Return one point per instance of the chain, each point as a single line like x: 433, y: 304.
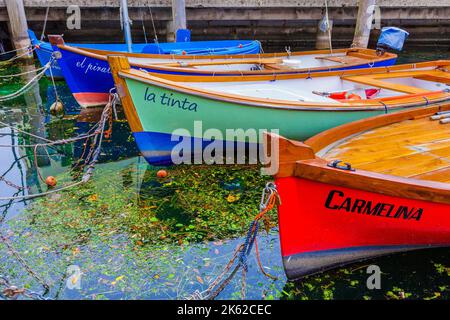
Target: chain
x: 11, y: 292
x: 23, y: 263
x: 269, y: 199
x: 11, y: 184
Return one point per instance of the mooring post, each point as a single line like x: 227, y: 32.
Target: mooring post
x: 18, y: 27
x: 363, y: 23
x: 178, y: 19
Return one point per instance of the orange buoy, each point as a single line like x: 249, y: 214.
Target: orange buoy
x: 161, y: 174
x: 183, y: 53
x: 50, y: 181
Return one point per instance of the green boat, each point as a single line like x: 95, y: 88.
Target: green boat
x: 179, y: 119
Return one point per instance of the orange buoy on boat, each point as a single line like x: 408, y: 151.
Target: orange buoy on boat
x: 162, y: 174
x: 50, y: 181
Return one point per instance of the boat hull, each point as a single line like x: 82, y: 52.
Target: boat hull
x: 90, y: 79
x: 44, y: 52
x: 324, y: 226
x: 160, y: 121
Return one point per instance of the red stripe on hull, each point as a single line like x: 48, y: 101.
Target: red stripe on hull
x: 315, y: 217
x: 91, y: 99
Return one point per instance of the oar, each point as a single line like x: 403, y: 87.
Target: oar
x: 220, y: 62
x: 440, y: 116
x: 444, y: 121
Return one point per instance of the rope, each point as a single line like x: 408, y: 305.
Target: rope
x: 91, y: 158
x: 329, y: 26
x: 154, y: 29
x: 269, y: 199
x: 45, y: 23
x: 24, y: 132
x: 28, y: 50
x: 22, y: 73
x: 28, y: 85
x: 143, y: 25
x: 14, y: 50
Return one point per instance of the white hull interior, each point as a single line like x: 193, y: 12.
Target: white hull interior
x: 312, y: 89
x: 291, y: 62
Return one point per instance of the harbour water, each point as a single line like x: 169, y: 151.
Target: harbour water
x: 129, y: 235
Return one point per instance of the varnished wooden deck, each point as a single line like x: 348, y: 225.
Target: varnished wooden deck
x: 415, y: 149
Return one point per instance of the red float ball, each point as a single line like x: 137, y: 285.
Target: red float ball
x: 50, y: 181
x: 161, y: 174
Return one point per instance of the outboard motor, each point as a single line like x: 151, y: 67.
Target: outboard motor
x: 391, y: 38
x: 183, y: 35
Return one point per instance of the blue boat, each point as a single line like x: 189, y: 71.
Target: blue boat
x: 44, y: 49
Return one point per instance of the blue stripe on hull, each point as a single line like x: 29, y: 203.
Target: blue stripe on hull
x: 157, y: 147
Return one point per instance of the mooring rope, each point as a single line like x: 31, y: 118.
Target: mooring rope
x: 269, y: 199
x: 99, y: 129
x: 28, y: 50
x: 22, y: 73
x: 14, y: 50
x: 32, y: 82
x: 45, y: 23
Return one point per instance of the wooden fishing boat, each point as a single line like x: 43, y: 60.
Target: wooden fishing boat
x: 44, y: 49
x: 298, y: 105
x: 87, y: 72
x: 368, y: 188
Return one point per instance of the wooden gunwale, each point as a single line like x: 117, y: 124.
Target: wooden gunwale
x: 102, y: 55
x: 314, y: 168
x: 437, y: 64
x: 118, y: 63
x: 429, y: 98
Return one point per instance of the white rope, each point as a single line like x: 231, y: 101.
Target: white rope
x: 27, y: 51
x: 329, y: 26
x: 14, y: 50
x: 154, y: 29
x: 22, y: 73
x: 45, y: 23
x: 28, y: 85
x: 143, y: 25
x: 24, y: 132
x: 92, y: 157
x: 35, y: 195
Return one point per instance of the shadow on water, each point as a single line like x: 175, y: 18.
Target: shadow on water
x: 128, y: 235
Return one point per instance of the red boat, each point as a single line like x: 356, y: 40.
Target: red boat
x: 365, y: 189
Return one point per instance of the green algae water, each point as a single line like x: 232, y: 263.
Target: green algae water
x: 128, y: 235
